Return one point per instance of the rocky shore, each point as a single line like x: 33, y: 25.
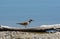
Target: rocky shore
x: 28, y: 35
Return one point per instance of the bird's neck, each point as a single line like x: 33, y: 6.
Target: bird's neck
x: 29, y: 21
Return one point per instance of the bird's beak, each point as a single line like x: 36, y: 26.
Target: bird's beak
x: 32, y: 20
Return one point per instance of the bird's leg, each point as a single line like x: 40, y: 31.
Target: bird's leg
x: 25, y: 26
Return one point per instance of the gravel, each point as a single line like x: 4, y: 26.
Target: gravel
x: 28, y: 35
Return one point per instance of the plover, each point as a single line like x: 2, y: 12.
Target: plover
x: 26, y: 23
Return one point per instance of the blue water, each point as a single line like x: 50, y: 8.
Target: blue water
x: 42, y: 11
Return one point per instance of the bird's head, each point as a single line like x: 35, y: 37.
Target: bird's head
x: 30, y: 20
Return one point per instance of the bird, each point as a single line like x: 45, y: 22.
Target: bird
x: 25, y: 23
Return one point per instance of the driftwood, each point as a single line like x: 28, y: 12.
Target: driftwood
x: 38, y: 29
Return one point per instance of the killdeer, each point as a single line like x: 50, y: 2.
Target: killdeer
x: 26, y: 23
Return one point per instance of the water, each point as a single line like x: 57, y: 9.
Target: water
x: 42, y: 11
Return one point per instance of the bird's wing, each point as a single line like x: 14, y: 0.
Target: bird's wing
x: 23, y: 23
